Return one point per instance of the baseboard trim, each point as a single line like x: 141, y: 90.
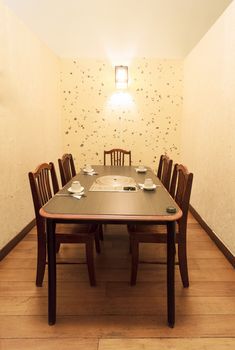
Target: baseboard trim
x: 228, y: 255
x: 10, y: 245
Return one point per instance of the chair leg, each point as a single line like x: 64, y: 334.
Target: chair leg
x: 130, y: 227
x: 101, y: 234
x: 41, y: 261
x: 130, y: 243
x: 97, y: 241
x: 135, y: 259
x: 90, y: 260
x: 183, y: 265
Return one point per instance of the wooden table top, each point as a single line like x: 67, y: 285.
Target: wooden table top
x: 120, y: 207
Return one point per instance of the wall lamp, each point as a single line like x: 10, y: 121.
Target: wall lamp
x: 121, y: 77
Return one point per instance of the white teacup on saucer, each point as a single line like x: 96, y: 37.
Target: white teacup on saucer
x: 75, y: 187
x: 148, y: 183
x: 88, y: 168
x: 141, y: 169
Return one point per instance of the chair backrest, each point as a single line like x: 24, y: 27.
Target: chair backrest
x: 180, y: 190
x: 164, y: 170
x: 117, y: 156
x: 67, y: 168
x: 44, y: 184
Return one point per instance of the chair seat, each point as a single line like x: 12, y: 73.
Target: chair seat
x: 150, y: 233
x: 77, y: 233
x: 73, y: 229
x: 147, y: 228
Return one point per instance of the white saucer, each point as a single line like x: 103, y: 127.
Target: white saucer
x: 141, y: 170
x: 88, y: 171
x: 150, y: 188
x: 79, y: 192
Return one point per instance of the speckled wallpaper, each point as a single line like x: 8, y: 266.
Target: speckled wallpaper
x: 144, y: 118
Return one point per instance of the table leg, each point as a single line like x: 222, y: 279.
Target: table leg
x: 171, y: 273
x: 51, y: 272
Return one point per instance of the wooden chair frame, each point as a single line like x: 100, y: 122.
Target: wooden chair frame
x: 164, y: 170
x: 67, y: 168
x: 117, y: 156
x: 180, y: 190
x: 44, y: 184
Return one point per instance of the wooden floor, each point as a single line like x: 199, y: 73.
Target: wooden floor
x: 114, y: 315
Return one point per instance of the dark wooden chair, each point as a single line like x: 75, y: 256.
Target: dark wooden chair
x: 44, y: 184
x: 180, y: 190
x: 164, y: 170
x: 117, y: 156
x: 67, y: 172
x: 67, y: 168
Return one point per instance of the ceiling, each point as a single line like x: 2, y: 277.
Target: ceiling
x: 119, y: 29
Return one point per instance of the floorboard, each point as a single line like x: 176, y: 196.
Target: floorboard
x: 115, y: 315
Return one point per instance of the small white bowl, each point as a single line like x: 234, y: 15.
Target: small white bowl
x: 148, y: 188
x: 141, y: 170
x: 88, y: 171
x: 73, y: 191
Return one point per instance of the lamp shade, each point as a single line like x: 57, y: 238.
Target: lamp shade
x: 121, y: 77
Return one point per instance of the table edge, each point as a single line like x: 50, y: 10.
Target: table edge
x: 115, y: 217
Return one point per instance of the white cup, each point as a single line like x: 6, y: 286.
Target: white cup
x: 76, y: 186
x: 141, y: 167
x: 88, y: 168
x: 148, y: 183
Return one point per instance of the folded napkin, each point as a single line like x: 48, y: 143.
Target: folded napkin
x: 74, y: 195
x: 91, y: 173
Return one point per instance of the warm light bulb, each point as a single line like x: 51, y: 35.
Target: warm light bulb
x: 121, y: 76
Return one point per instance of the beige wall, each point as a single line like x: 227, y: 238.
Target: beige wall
x: 208, y: 126
x: 30, y: 130
x: 145, y: 118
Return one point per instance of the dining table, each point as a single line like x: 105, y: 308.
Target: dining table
x: 113, y: 205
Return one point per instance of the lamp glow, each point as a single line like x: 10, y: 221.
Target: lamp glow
x: 121, y: 77
x: 121, y: 99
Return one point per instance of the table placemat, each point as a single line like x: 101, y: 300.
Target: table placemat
x: 114, y: 183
